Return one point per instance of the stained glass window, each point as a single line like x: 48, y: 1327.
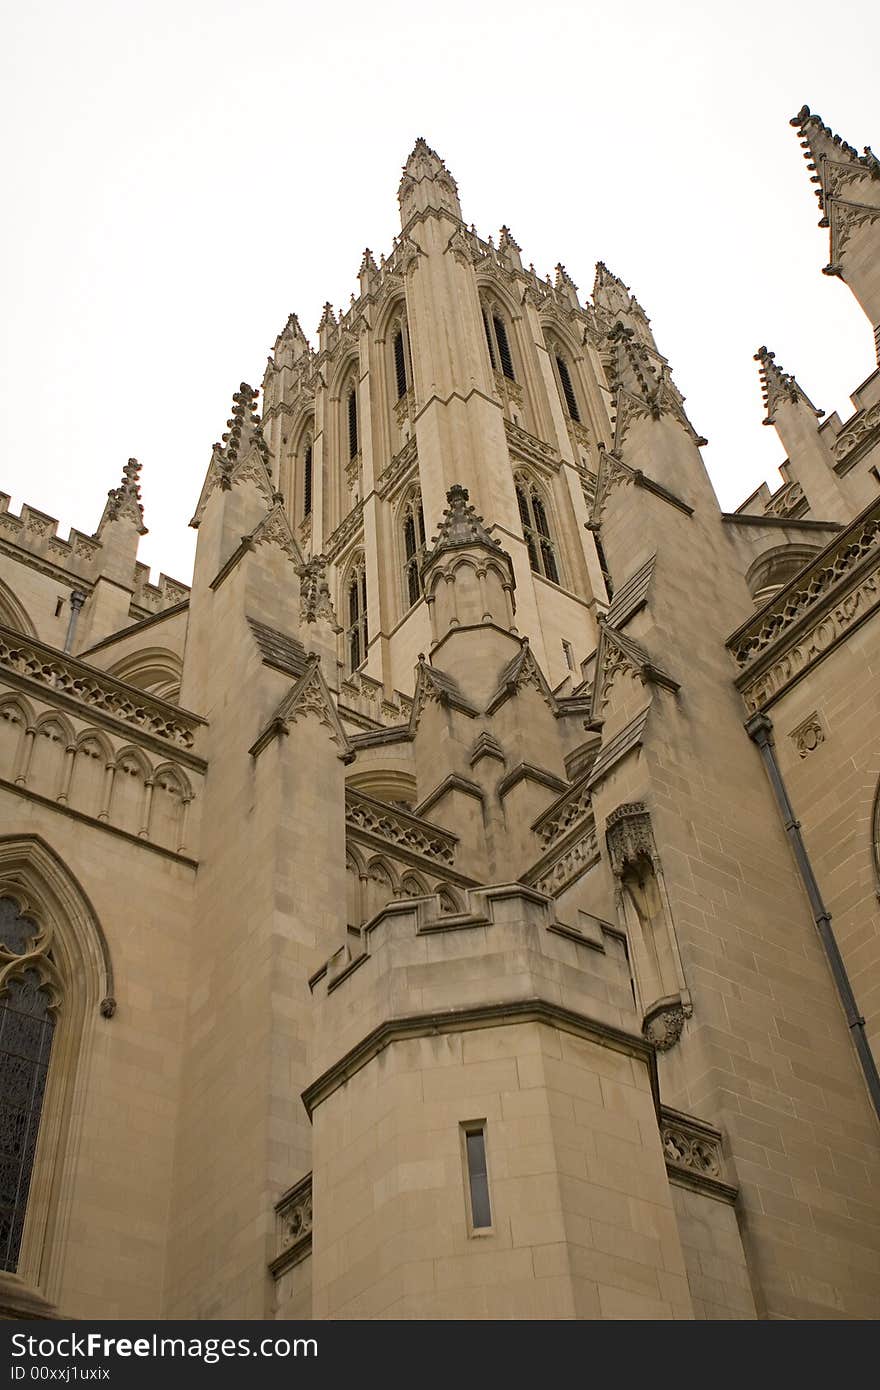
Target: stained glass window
x: 26, y: 1030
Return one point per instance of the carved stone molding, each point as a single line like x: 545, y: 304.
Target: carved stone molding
x: 693, y: 1153
x: 572, y: 807
x: 397, y: 829
x: 663, y: 1025
x: 31, y: 661
x: 813, y: 588
x: 628, y: 834
x: 293, y: 1227
x: 857, y: 433
x: 808, y: 735
x: 819, y: 638
x: 344, y: 532
x: 558, y: 869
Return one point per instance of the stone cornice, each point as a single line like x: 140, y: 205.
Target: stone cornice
x: 567, y: 858
x: 345, y: 531
x: 481, y: 1016
x: 528, y: 771
x: 36, y: 562
x: 391, y: 829
x: 89, y: 692
x: 454, y: 782
x: 779, y: 522
x: 831, y: 596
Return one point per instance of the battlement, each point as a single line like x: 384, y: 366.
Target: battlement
x: 80, y: 555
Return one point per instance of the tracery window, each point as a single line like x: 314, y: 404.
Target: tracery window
x: 356, y: 632
x: 413, y: 547
x: 536, y: 529
x: 498, y: 343
x: 28, y: 999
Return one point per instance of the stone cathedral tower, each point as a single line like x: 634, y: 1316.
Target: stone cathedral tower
x: 429, y: 913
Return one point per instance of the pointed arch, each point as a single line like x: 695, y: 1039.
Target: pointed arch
x: 566, y: 374
x: 89, y: 786
x: 353, y: 608
x: 381, y: 886
x: 53, y: 736
x: 499, y: 334
x: 128, y: 803
x: 449, y: 899
x: 70, y: 953
x: 155, y: 670
x: 412, y: 885
x: 411, y: 531
x: 16, y: 718
x: 535, y: 515
x: 355, y: 880
x: 166, y: 815
x: 13, y: 612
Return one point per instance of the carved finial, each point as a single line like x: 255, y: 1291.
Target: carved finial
x: 777, y: 386
x: 563, y: 279
x: 368, y: 265
x: 328, y: 318
x: 124, y: 501
x: 507, y: 240
x: 244, y: 428
x: 461, y: 525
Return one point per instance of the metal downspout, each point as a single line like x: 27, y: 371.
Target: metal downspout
x: 760, y: 729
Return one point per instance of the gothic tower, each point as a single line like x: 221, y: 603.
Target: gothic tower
x: 477, y: 821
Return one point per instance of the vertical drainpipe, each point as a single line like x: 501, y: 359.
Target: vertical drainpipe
x: 77, y: 599
x: 760, y: 729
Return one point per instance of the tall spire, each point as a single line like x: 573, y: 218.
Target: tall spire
x: 778, y: 386
x: 822, y: 148
x: 426, y: 185
x: 848, y: 189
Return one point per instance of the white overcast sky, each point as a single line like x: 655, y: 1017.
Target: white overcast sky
x: 180, y: 176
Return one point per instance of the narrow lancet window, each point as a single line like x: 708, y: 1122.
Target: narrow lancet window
x: 400, y: 364
x: 353, y: 444
x: 478, y: 1176
x: 307, y: 480
x: 571, y: 404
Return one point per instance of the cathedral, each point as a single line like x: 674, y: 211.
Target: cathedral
x: 461, y: 902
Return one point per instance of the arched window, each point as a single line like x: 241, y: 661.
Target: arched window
x: 353, y: 443
x: 498, y: 343
x: 413, y: 547
x: 536, y: 529
x: 356, y: 633
x: 401, y: 361
x: 568, y: 396
x: 29, y: 996
x: 307, y: 477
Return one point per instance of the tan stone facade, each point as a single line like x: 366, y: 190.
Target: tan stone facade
x: 463, y: 901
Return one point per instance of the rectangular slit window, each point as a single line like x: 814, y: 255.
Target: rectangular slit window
x: 569, y: 654
x: 478, y: 1176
